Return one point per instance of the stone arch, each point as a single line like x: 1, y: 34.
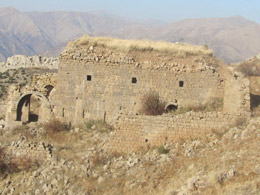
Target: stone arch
x: 171, y: 107
x: 32, y: 107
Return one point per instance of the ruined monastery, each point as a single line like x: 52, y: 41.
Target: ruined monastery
x: 105, y: 79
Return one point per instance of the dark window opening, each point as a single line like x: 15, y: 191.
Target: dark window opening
x: 146, y: 140
x: 89, y: 78
x: 63, y: 112
x: 83, y: 114
x: 33, y: 117
x: 181, y: 83
x: 171, y: 108
x: 134, y: 80
x: 254, y: 101
x: 48, y: 90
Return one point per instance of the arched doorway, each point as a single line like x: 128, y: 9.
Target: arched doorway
x: 171, y: 108
x: 29, y: 107
x: 23, y: 108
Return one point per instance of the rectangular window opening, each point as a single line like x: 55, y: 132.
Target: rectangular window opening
x: 89, y: 77
x: 134, y: 80
x: 181, y: 83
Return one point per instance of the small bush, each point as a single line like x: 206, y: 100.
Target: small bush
x: 162, y: 150
x: 152, y: 105
x: 99, y: 125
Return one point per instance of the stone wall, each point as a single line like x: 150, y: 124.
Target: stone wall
x: 138, y: 132
x: 237, y: 94
x: 97, y: 88
x: 21, y: 61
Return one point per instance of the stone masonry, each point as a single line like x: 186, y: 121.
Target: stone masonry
x: 141, y: 132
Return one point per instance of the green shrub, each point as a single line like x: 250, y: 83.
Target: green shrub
x: 99, y: 125
x: 162, y: 150
x: 152, y: 105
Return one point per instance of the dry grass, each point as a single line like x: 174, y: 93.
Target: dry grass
x: 213, y: 105
x: 177, y: 49
x: 55, y: 130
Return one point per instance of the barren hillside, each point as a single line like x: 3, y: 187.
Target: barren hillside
x: 76, y: 162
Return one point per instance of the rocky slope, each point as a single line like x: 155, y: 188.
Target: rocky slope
x: 77, y: 162
x: 21, y: 61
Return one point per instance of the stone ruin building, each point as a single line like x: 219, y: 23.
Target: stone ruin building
x: 105, y: 79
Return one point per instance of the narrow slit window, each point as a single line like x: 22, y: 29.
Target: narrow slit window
x: 63, y: 112
x: 89, y: 77
x: 181, y: 83
x: 134, y: 80
x: 83, y: 114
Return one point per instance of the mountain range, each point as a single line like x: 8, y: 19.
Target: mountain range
x: 232, y: 39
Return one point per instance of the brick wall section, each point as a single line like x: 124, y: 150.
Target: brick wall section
x: 136, y: 132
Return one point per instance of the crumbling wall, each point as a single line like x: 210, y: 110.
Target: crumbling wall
x: 237, y: 94
x: 138, y: 132
x: 37, y: 89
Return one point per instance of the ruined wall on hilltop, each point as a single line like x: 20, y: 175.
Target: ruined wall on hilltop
x: 96, y: 83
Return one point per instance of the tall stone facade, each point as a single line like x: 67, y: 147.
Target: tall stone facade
x: 100, y: 83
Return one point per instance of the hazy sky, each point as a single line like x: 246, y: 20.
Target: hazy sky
x: 165, y: 10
